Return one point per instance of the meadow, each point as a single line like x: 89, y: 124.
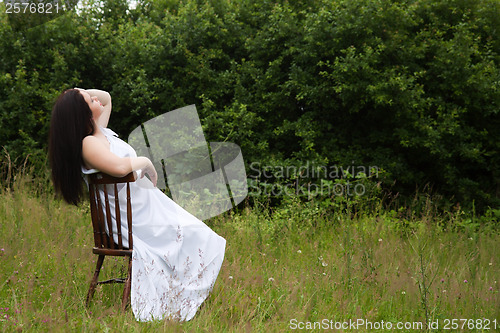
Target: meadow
x: 291, y: 267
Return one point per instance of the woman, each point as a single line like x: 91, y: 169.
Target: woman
x: 176, y: 257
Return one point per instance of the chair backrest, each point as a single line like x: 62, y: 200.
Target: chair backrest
x: 99, y: 187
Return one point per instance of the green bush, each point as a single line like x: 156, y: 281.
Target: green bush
x: 411, y: 87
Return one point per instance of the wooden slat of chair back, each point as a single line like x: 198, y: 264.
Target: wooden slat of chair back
x: 101, y: 218
x: 104, y: 243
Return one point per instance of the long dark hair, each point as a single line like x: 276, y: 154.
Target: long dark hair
x: 71, y: 121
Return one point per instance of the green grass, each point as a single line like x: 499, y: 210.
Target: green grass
x: 282, y: 266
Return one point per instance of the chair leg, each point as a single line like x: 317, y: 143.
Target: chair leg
x: 128, y: 285
x: 93, y: 283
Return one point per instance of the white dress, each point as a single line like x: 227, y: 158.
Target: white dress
x: 176, y: 257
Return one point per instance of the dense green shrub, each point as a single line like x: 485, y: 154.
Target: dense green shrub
x: 411, y: 87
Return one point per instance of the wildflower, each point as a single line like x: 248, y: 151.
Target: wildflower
x: 491, y: 288
x: 465, y: 281
x: 320, y: 258
x: 380, y: 239
x: 488, y: 264
x: 324, y: 264
x: 3, y: 250
x: 324, y: 273
x: 444, y: 290
x: 403, y: 293
x: 230, y: 277
x: 270, y: 279
x: 442, y: 280
x: 298, y: 251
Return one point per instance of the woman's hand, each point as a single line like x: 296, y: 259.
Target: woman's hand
x: 151, y: 171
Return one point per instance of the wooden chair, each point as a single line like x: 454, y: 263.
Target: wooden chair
x: 101, y: 217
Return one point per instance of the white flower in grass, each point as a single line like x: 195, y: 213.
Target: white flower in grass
x: 230, y: 277
x: 298, y: 251
x: 324, y: 264
x: 270, y: 279
x: 380, y: 239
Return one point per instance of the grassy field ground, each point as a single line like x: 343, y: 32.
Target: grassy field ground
x: 288, y: 268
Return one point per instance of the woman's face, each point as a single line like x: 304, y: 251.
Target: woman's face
x: 94, y: 104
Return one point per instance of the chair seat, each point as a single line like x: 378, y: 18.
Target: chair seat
x: 112, y: 252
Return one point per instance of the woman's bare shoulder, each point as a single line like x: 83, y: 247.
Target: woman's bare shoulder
x: 93, y: 143
x: 90, y: 140
x: 96, y: 155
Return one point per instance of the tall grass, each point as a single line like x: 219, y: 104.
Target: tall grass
x: 282, y: 266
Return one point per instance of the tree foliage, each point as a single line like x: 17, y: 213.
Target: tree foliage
x: 412, y: 87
